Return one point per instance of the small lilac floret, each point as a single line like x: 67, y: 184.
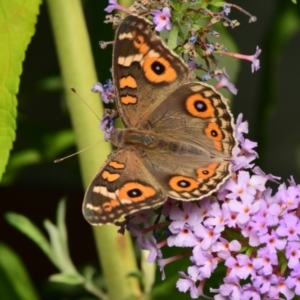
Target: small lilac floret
x: 162, y: 19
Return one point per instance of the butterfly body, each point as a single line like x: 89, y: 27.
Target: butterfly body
x: 143, y: 142
x: 179, y: 137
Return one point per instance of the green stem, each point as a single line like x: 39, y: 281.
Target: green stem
x: 77, y: 67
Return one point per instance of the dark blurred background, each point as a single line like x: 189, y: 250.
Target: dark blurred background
x: 269, y: 99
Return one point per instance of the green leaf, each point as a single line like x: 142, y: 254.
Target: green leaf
x: 58, y: 142
x: 59, y: 241
x: 18, y: 161
x: 66, y: 278
x: 17, y: 21
x: 24, y: 225
x: 218, y: 3
x: 15, y: 283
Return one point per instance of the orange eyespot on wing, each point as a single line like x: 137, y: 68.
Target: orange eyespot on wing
x: 207, y: 172
x: 200, y: 107
x: 157, y: 69
x: 213, y: 132
x: 135, y: 192
x: 183, y: 184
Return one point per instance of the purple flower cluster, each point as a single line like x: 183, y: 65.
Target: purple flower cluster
x: 245, y: 226
x: 106, y: 90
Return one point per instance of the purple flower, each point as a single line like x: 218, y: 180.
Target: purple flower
x: 272, y: 241
x: 186, y: 215
x: 253, y: 58
x: 263, y: 282
x: 106, y: 90
x: 289, y: 227
x: 216, y: 218
x: 187, y: 283
x: 113, y: 5
x: 293, y: 254
x: 229, y: 290
x: 223, y: 247
x: 205, y: 262
x: 162, y: 19
x: 252, y: 234
x: 224, y: 81
x: 265, y: 261
x: 206, y: 235
x: 293, y: 281
x: 241, y: 127
x: 280, y: 287
x: 246, y: 187
x: 289, y: 197
x: 182, y: 237
x: 250, y: 292
x: 246, y: 266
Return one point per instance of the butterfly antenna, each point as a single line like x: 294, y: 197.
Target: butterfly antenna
x: 63, y: 158
x: 75, y: 92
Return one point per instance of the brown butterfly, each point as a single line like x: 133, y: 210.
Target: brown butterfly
x: 178, y: 137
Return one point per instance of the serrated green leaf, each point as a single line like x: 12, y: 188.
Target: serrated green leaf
x: 24, y: 225
x: 17, y: 25
x: 14, y: 280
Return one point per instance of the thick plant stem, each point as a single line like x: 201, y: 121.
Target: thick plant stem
x: 77, y: 67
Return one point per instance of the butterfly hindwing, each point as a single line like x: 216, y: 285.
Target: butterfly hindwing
x: 122, y: 186
x: 198, y: 115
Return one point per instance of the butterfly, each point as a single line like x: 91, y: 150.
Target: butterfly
x: 178, y: 138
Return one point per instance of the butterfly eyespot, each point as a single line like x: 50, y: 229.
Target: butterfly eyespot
x: 200, y: 107
x: 158, y: 68
x: 183, y: 184
x: 134, y: 193
x: 207, y: 172
x: 214, y: 133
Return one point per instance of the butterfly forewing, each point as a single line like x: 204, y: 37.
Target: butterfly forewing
x: 145, y: 70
